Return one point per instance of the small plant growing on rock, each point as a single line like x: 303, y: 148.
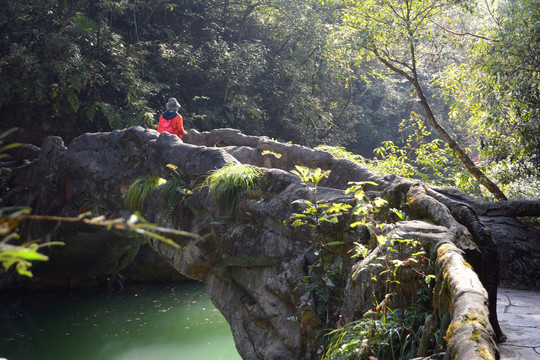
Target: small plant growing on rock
x: 323, y: 277
x: 392, y: 329
x: 382, y: 334
x: 167, y: 190
x: 140, y: 190
x: 229, y: 183
x: 314, y: 213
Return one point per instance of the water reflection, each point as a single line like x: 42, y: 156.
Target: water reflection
x: 143, y: 322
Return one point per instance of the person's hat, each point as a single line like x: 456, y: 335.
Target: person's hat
x: 173, y: 105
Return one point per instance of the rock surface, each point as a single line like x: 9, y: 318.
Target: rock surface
x: 519, y: 314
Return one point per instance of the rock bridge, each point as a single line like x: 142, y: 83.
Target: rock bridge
x: 254, y: 265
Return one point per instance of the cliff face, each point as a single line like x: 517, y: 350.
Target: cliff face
x: 260, y: 273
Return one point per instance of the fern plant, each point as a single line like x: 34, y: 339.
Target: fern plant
x: 167, y: 191
x: 229, y: 183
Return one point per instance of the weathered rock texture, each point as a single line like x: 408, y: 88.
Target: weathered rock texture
x: 252, y: 263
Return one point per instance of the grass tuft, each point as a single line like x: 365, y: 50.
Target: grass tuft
x: 228, y: 183
x: 140, y: 190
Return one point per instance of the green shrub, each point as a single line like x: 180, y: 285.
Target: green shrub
x: 167, y: 191
x: 386, y: 334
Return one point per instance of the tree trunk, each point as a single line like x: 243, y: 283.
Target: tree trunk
x: 465, y: 159
x: 413, y: 79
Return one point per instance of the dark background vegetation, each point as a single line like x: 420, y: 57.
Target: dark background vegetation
x: 70, y: 67
x: 267, y: 68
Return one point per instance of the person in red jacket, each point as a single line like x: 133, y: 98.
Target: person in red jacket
x: 171, y: 121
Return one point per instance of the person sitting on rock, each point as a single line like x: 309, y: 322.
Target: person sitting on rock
x: 171, y: 121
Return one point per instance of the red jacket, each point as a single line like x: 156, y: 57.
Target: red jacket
x: 171, y: 122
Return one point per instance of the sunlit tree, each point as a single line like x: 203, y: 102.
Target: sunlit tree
x: 497, y: 88
x: 407, y: 38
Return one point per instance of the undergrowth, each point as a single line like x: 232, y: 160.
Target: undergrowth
x: 431, y: 161
x: 383, y: 334
x: 387, y: 332
x: 391, y: 330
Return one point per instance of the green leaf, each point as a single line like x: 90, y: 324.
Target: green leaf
x: 380, y: 202
x: 332, y: 219
x: 400, y: 214
x: 73, y: 100
x: 31, y: 255
x: 297, y: 222
x: 10, y: 146
x: 335, y: 243
x: 357, y: 223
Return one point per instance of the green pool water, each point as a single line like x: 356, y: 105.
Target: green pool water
x: 156, y: 322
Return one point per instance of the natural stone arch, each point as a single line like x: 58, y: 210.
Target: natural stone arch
x: 252, y: 264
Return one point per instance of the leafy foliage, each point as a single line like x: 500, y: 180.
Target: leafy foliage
x: 67, y: 71
x: 19, y: 255
x: 495, y: 92
x: 419, y: 158
x: 296, y: 71
x: 402, y: 36
x: 314, y: 213
x: 170, y: 191
x: 22, y: 255
x: 261, y: 67
x: 385, y: 334
x: 321, y: 276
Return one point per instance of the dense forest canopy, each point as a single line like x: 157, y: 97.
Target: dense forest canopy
x: 280, y: 68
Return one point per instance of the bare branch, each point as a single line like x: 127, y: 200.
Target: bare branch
x: 466, y: 33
